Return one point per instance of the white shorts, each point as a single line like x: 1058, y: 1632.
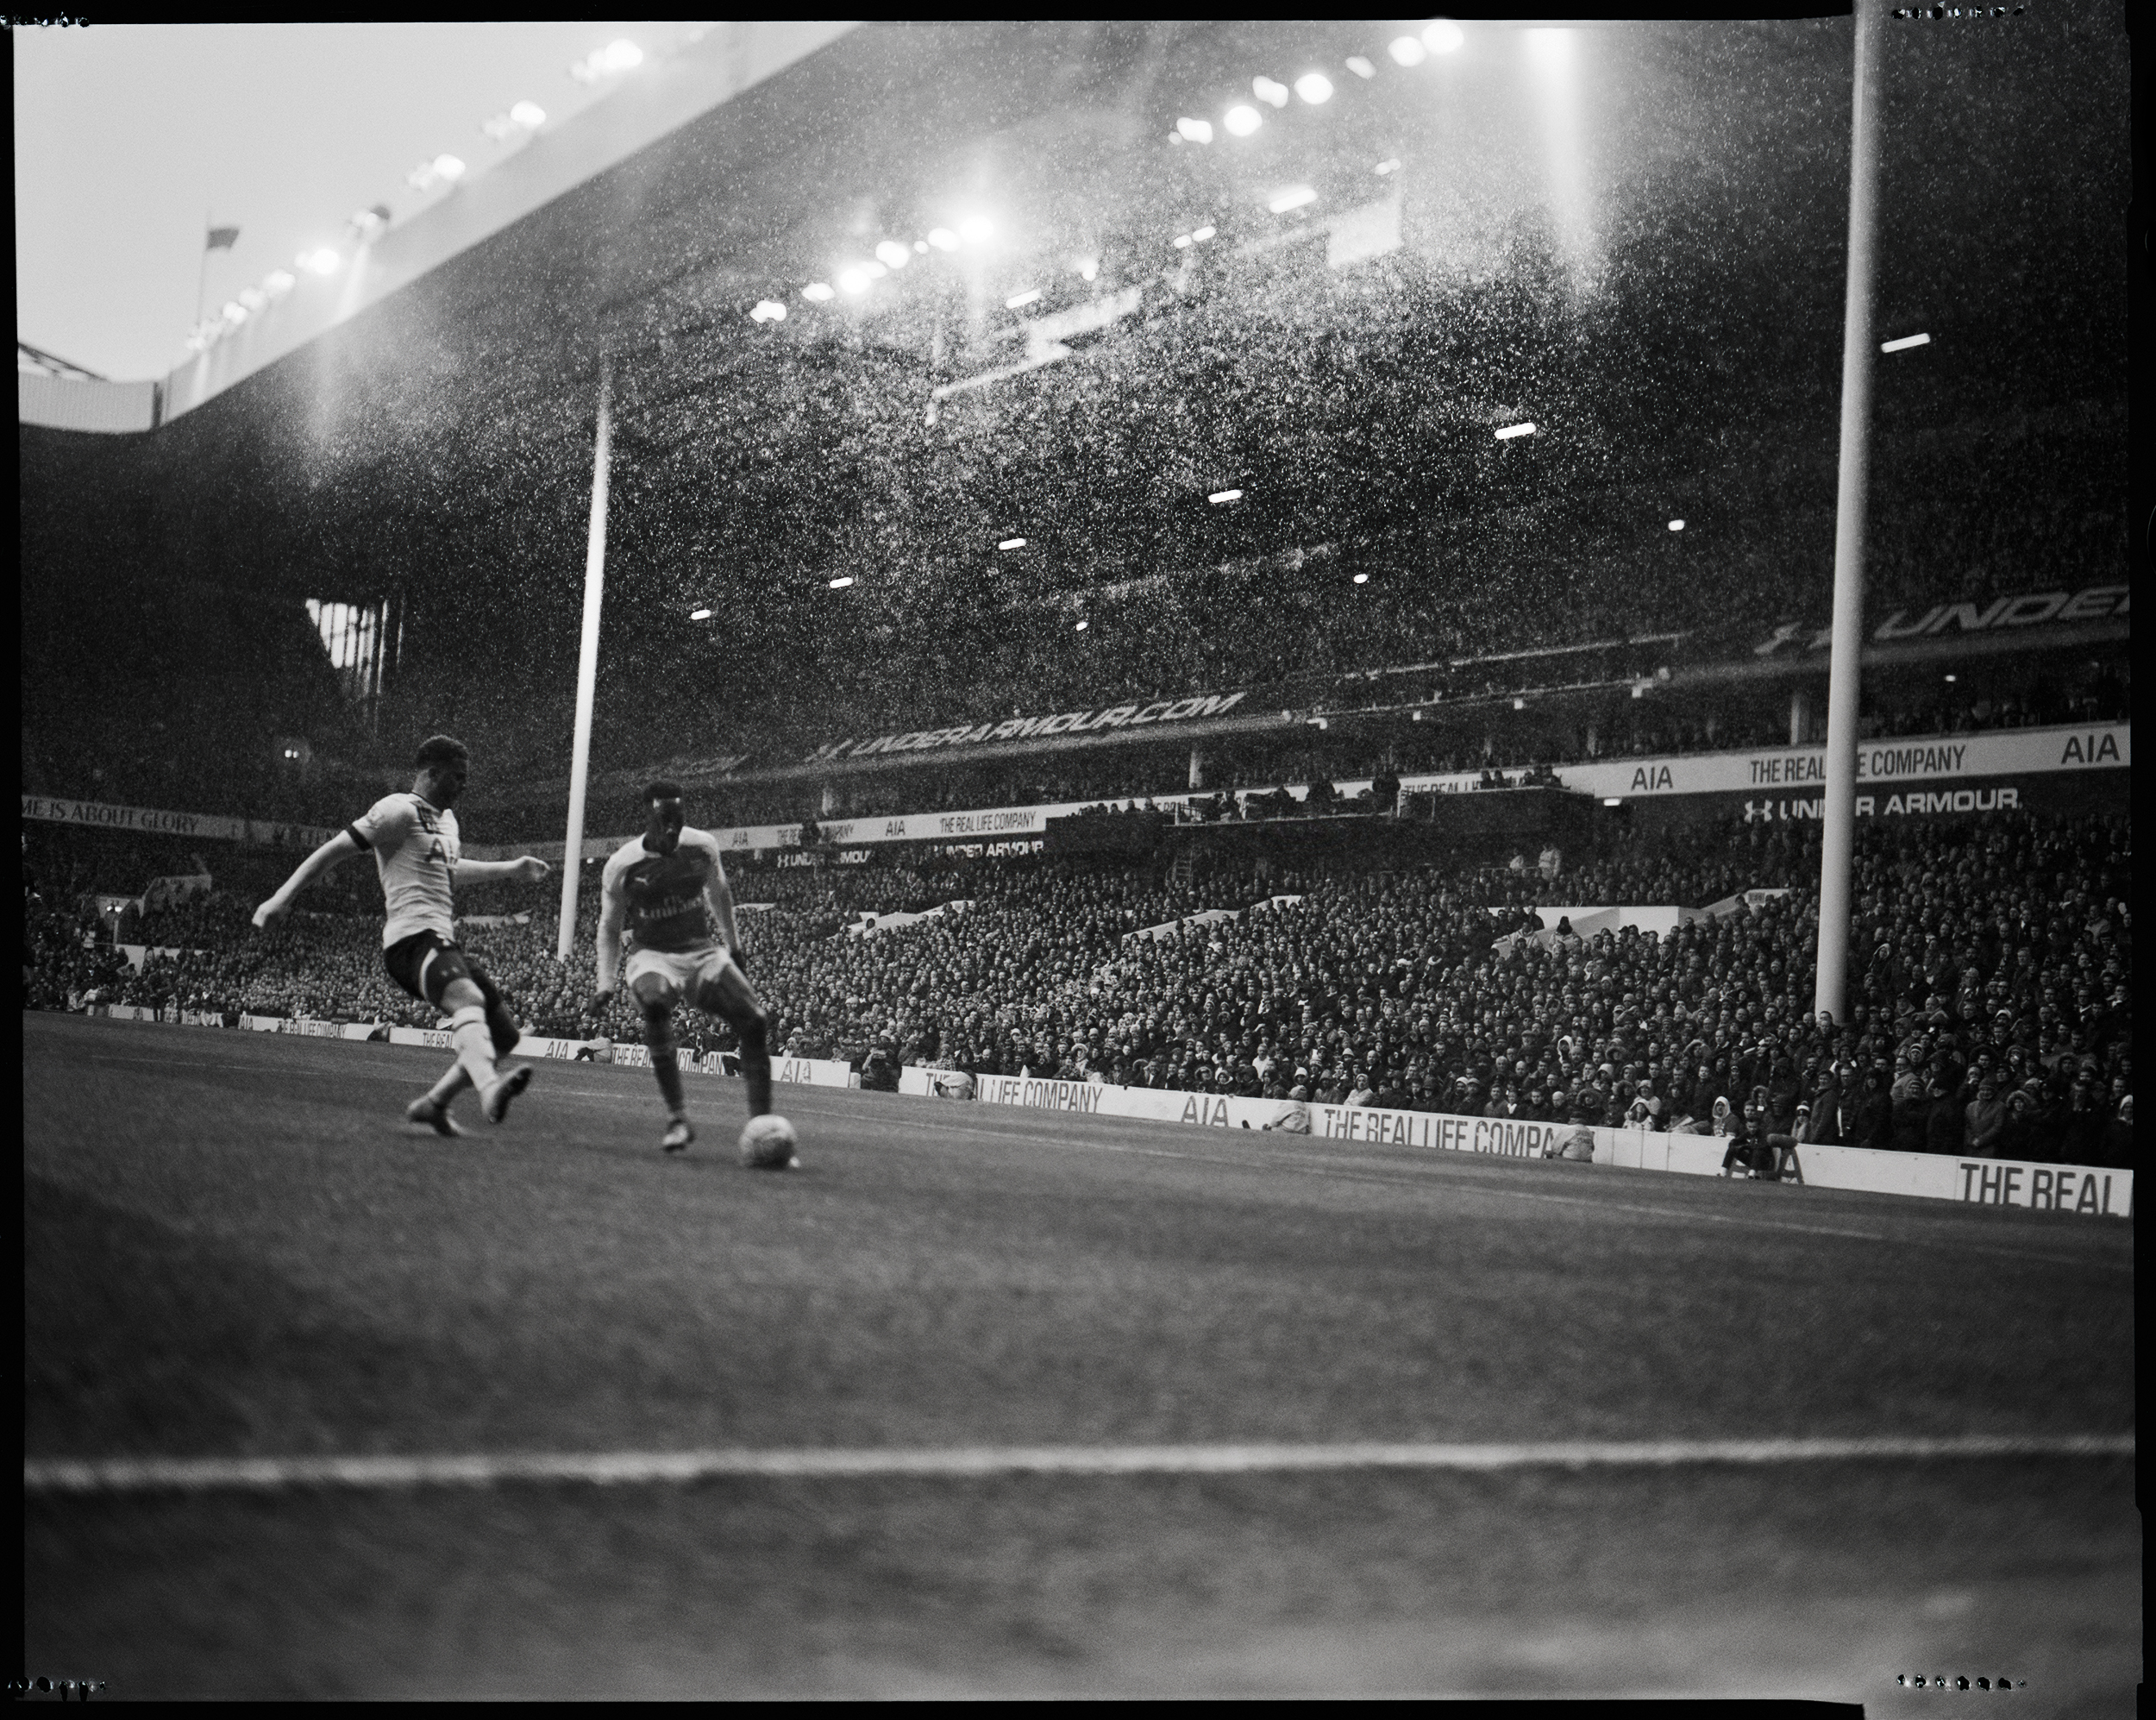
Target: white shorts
x: 685, y: 971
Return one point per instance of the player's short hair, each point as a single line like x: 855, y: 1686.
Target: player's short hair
x: 662, y: 790
x: 442, y: 749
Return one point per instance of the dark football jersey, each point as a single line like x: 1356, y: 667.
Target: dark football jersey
x: 665, y: 896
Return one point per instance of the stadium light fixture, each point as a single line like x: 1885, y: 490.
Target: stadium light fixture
x: 817, y: 292
x: 498, y: 127
x: 1442, y: 35
x: 1242, y: 119
x: 321, y: 261
x: 1182, y: 242
x: 1081, y: 626
x: 768, y: 311
x: 1360, y: 66
x: 1222, y: 497
x: 1506, y: 432
x: 874, y: 270
x: 855, y: 281
x: 1315, y: 87
x: 893, y: 253
x: 975, y: 229
x: 368, y: 223
x: 1198, y: 236
x: 1905, y: 343
x: 943, y: 238
x: 623, y: 55
x: 1520, y: 704
x: 448, y: 167
x: 842, y: 582
x: 1294, y: 197
x: 1267, y: 91
x: 234, y: 312
x: 699, y: 615
x: 1612, y: 800
x: 1197, y: 130
x: 528, y: 115
x: 920, y: 248
x: 279, y: 282
x: 1677, y: 526
x: 1953, y: 677
x: 1407, y: 51
x: 1089, y: 269
x: 1390, y: 164
x: 1018, y: 301
x: 1011, y: 543
x: 252, y: 298
x: 1362, y: 579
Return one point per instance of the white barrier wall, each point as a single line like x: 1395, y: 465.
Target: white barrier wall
x: 1985, y: 1182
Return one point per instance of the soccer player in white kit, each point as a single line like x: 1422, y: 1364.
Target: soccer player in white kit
x: 668, y: 889
x: 413, y: 840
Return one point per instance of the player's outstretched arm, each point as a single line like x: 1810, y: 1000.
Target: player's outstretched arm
x: 339, y: 848
x: 527, y: 868
x: 613, y: 909
x: 721, y: 897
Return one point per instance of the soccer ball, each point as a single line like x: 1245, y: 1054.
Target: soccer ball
x: 767, y: 1144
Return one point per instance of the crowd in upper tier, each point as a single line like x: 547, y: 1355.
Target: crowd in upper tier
x: 1989, y: 1004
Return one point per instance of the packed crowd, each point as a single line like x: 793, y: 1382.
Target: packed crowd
x: 1991, y: 1001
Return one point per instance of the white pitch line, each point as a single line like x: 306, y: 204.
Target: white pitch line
x: 44, y: 1476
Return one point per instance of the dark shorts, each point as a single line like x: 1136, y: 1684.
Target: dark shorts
x: 426, y: 961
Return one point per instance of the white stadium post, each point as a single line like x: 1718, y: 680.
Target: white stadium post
x: 586, y: 664
x: 1839, y: 812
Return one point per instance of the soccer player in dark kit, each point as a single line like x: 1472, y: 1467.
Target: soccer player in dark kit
x: 413, y: 838
x: 667, y: 887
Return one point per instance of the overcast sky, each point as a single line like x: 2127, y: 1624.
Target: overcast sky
x: 127, y: 136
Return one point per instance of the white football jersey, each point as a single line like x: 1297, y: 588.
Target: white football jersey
x: 415, y: 847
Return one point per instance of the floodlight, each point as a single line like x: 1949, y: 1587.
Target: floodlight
x: 367, y: 222
x: 1520, y: 704
x: 278, y: 282
x: 975, y: 228
x: 1242, y: 121
x: 699, y: 615
x: 842, y: 581
x: 853, y: 280
x: 620, y: 56
x: 1294, y: 197
x: 1677, y: 526
x: 1360, y: 66
x: 1315, y: 87
x: 234, y: 312
x: 874, y: 270
x: 528, y: 115
x: 1202, y: 233
x: 1082, y: 625
x: 321, y: 261
x: 943, y: 238
x: 1182, y: 242
x: 1267, y: 91
x: 252, y: 298
x: 1905, y: 342
x: 1362, y: 579
x: 1089, y: 269
x: 768, y: 311
x: 1612, y: 800
x: 1442, y: 35
x: 1197, y: 130
x: 1406, y: 50
x: 893, y: 253
x: 499, y: 126
x: 1018, y: 301
x: 1390, y: 164
x: 448, y: 167
x: 1511, y: 430
x: 422, y: 177
x: 817, y: 292
x: 1221, y: 497
x: 1011, y: 543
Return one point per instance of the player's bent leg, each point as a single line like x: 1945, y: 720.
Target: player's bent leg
x: 473, y: 1044
x: 655, y: 996
x: 728, y: 996
x: 501, y: 1025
